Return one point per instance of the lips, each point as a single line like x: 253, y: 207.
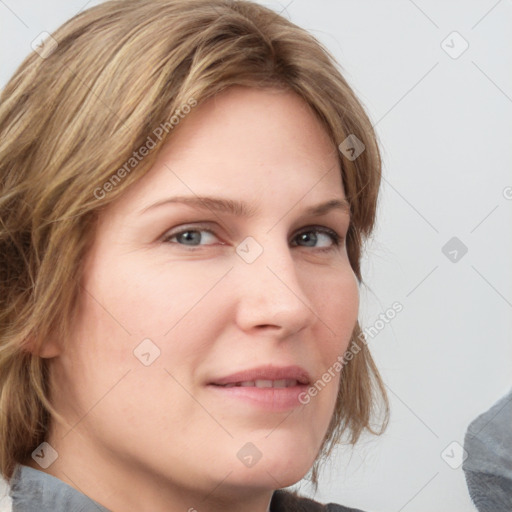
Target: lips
x: 262, y: 383
x: 268, y: 376
x: 263, y: 389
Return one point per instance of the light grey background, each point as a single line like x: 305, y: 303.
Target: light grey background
x: 445, y: 127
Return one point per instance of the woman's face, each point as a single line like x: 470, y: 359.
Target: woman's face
x: 181, y: 294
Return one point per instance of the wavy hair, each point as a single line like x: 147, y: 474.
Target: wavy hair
x: 73, y: 114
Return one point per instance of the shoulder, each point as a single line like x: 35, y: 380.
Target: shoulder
x: 290, y: 501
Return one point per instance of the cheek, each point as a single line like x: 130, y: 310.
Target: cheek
x: 337, y: 307
x: 122, y: 305
x: 166, y: 314
x: 336, y: 299
x: 160, y: 297
x: 148, y: 298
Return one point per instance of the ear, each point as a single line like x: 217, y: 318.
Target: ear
x: 47, y: 349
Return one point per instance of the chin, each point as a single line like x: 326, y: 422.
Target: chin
x: 280, y: 468
x: 261, y: 480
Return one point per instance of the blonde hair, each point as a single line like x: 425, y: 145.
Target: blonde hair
x: 74, y: 113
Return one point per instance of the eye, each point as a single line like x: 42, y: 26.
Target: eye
x: 191, y: 236
x: 317, y: 234
x: 317, y: 237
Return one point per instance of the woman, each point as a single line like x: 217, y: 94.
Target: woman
x: 186, y: 187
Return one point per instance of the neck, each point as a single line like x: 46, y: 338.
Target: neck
x: 116, y: 485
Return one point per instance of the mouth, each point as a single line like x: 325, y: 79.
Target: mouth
x: 266, y: 376
x: 262, y: 383
x: 268, y: 388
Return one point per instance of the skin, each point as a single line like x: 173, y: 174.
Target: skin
x: 156, y: 437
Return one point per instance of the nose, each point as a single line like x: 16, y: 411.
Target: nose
x: 270, y: 295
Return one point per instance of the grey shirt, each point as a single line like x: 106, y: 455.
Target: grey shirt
x: 32, y: 490
x: 488, y: 466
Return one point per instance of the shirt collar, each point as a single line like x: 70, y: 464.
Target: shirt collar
x: 31, y: 489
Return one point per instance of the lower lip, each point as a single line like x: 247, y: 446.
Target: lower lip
x: 273, y: 399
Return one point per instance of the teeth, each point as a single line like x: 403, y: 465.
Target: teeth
x: 282, y: 383
x: 263, y: 383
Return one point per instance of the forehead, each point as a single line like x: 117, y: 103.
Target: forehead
x: 268, y: 125
x: 245, y: 143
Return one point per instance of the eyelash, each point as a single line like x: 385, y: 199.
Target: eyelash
x: 336, y: 239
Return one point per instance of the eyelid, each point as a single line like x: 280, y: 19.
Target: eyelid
x: 337, y: 238
x: 171, y: 233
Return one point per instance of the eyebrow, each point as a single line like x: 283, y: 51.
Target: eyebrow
x: 241, y: 209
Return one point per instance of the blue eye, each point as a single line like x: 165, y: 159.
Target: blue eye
x: 311, y: 237
x: 188, y: 235
x: 305, y: 236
